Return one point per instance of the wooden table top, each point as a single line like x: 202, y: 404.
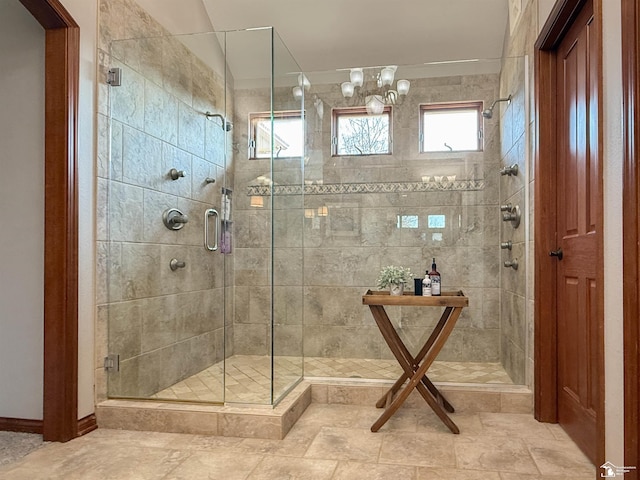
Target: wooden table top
x: 447, y: 299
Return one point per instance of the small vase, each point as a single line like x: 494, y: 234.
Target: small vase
x: 396, y: 289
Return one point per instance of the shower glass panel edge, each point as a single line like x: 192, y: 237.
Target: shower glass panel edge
x: 287, y: 167
x: 258, y: 69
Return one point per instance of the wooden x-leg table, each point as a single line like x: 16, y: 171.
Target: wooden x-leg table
x: 415, y: 368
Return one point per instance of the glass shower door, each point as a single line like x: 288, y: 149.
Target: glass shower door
x: 164, y: 301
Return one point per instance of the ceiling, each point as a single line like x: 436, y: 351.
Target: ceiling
x: 328, y: 35
x: 334, y: 34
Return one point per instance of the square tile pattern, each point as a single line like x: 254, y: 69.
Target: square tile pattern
x: 329, y: 442
x: 247, y: 377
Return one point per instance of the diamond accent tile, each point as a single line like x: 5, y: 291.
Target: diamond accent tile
x: 389, y: 187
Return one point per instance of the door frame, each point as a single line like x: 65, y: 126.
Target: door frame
x: 545, y: 322
x: 631, y: 234
x: 60, y: 388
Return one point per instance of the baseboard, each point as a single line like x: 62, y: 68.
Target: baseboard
x: 87, y: 424
x: 21, y: 425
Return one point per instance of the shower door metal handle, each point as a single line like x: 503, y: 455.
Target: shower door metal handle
x: 208, y: 214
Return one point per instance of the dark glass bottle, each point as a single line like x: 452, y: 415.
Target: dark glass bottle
x: 434, y: 275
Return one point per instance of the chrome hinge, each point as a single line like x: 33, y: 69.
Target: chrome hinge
x: 112, y: 363
x: 114, y: 77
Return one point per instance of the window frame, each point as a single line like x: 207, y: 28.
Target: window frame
x: 256, y: 117
x: 336, y: 113
x: 451, y: 106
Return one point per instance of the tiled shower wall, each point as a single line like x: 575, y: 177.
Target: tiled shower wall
x: 165, y: 325
x: 518, y: 286
x: 343, y: 252
x: 513, y: 152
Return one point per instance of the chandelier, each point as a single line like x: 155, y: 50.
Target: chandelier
x: 375, y: 99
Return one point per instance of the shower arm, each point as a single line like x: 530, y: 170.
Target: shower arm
x: 508, y: 99
x: 488, y: 113
x: 224, y: 123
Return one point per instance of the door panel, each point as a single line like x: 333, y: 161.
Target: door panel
x: 577, y: 222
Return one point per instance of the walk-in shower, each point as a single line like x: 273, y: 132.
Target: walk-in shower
x: 305, y: 228
x: 188, y: 293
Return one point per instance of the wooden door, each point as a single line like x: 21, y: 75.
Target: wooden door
x: 578, y: 224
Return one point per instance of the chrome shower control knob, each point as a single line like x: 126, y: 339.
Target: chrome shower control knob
x: 512, y: 264
x: 174, y: 219
x: 506, y: 245
x: 176, y: 174
x: 513, y: 216
x: 175, y: 264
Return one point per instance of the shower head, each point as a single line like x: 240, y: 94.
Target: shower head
x: 488, y: 113
x: 224, y: 123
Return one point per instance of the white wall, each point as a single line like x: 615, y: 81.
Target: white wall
x: 613, y: 162
x: 85, y: 13
x: 544, y: 9
x: 22, y: 200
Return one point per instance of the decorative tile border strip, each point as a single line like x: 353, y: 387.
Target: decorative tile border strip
x: 391, y: 187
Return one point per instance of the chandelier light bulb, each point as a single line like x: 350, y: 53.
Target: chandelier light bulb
x: 374, y: 104
x: 403, y: 87
x: 297, y: 93
x: 347, y: 89
x: 356, y: 76
x: 387, y: 74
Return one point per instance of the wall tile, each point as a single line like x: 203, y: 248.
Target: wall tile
x: 125, y: 215
x: 191, y: 125
x: 140, y: 271
x: 160, y: 113
x: 127, y: 101
x: 142, y: 159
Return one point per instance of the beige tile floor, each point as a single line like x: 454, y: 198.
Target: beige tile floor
x: 329, y: 442
x: 248, y: 376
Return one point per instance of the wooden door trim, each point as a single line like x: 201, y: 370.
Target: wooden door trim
x: 62, y: 53
x: 545, y: 322
x: 562, y: 15
x: 631, y: 234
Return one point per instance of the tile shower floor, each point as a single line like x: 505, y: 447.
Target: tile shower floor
x: 329, y: 442
x: 248, y: 376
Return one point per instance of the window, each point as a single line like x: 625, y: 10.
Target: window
x: 357, y: 133
x: 453, y: 127
x: 408, y: 221
x: 288, y: 135
x: 436, y: 221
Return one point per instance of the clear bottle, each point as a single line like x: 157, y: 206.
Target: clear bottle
x: 434, y: 275
x: 426, y: 285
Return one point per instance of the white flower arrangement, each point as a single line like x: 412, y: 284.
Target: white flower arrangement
x: 392, y: 275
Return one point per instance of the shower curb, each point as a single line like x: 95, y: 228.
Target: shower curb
x: 273, y: 423
x: 253, y: 421
x: 465, y: 397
